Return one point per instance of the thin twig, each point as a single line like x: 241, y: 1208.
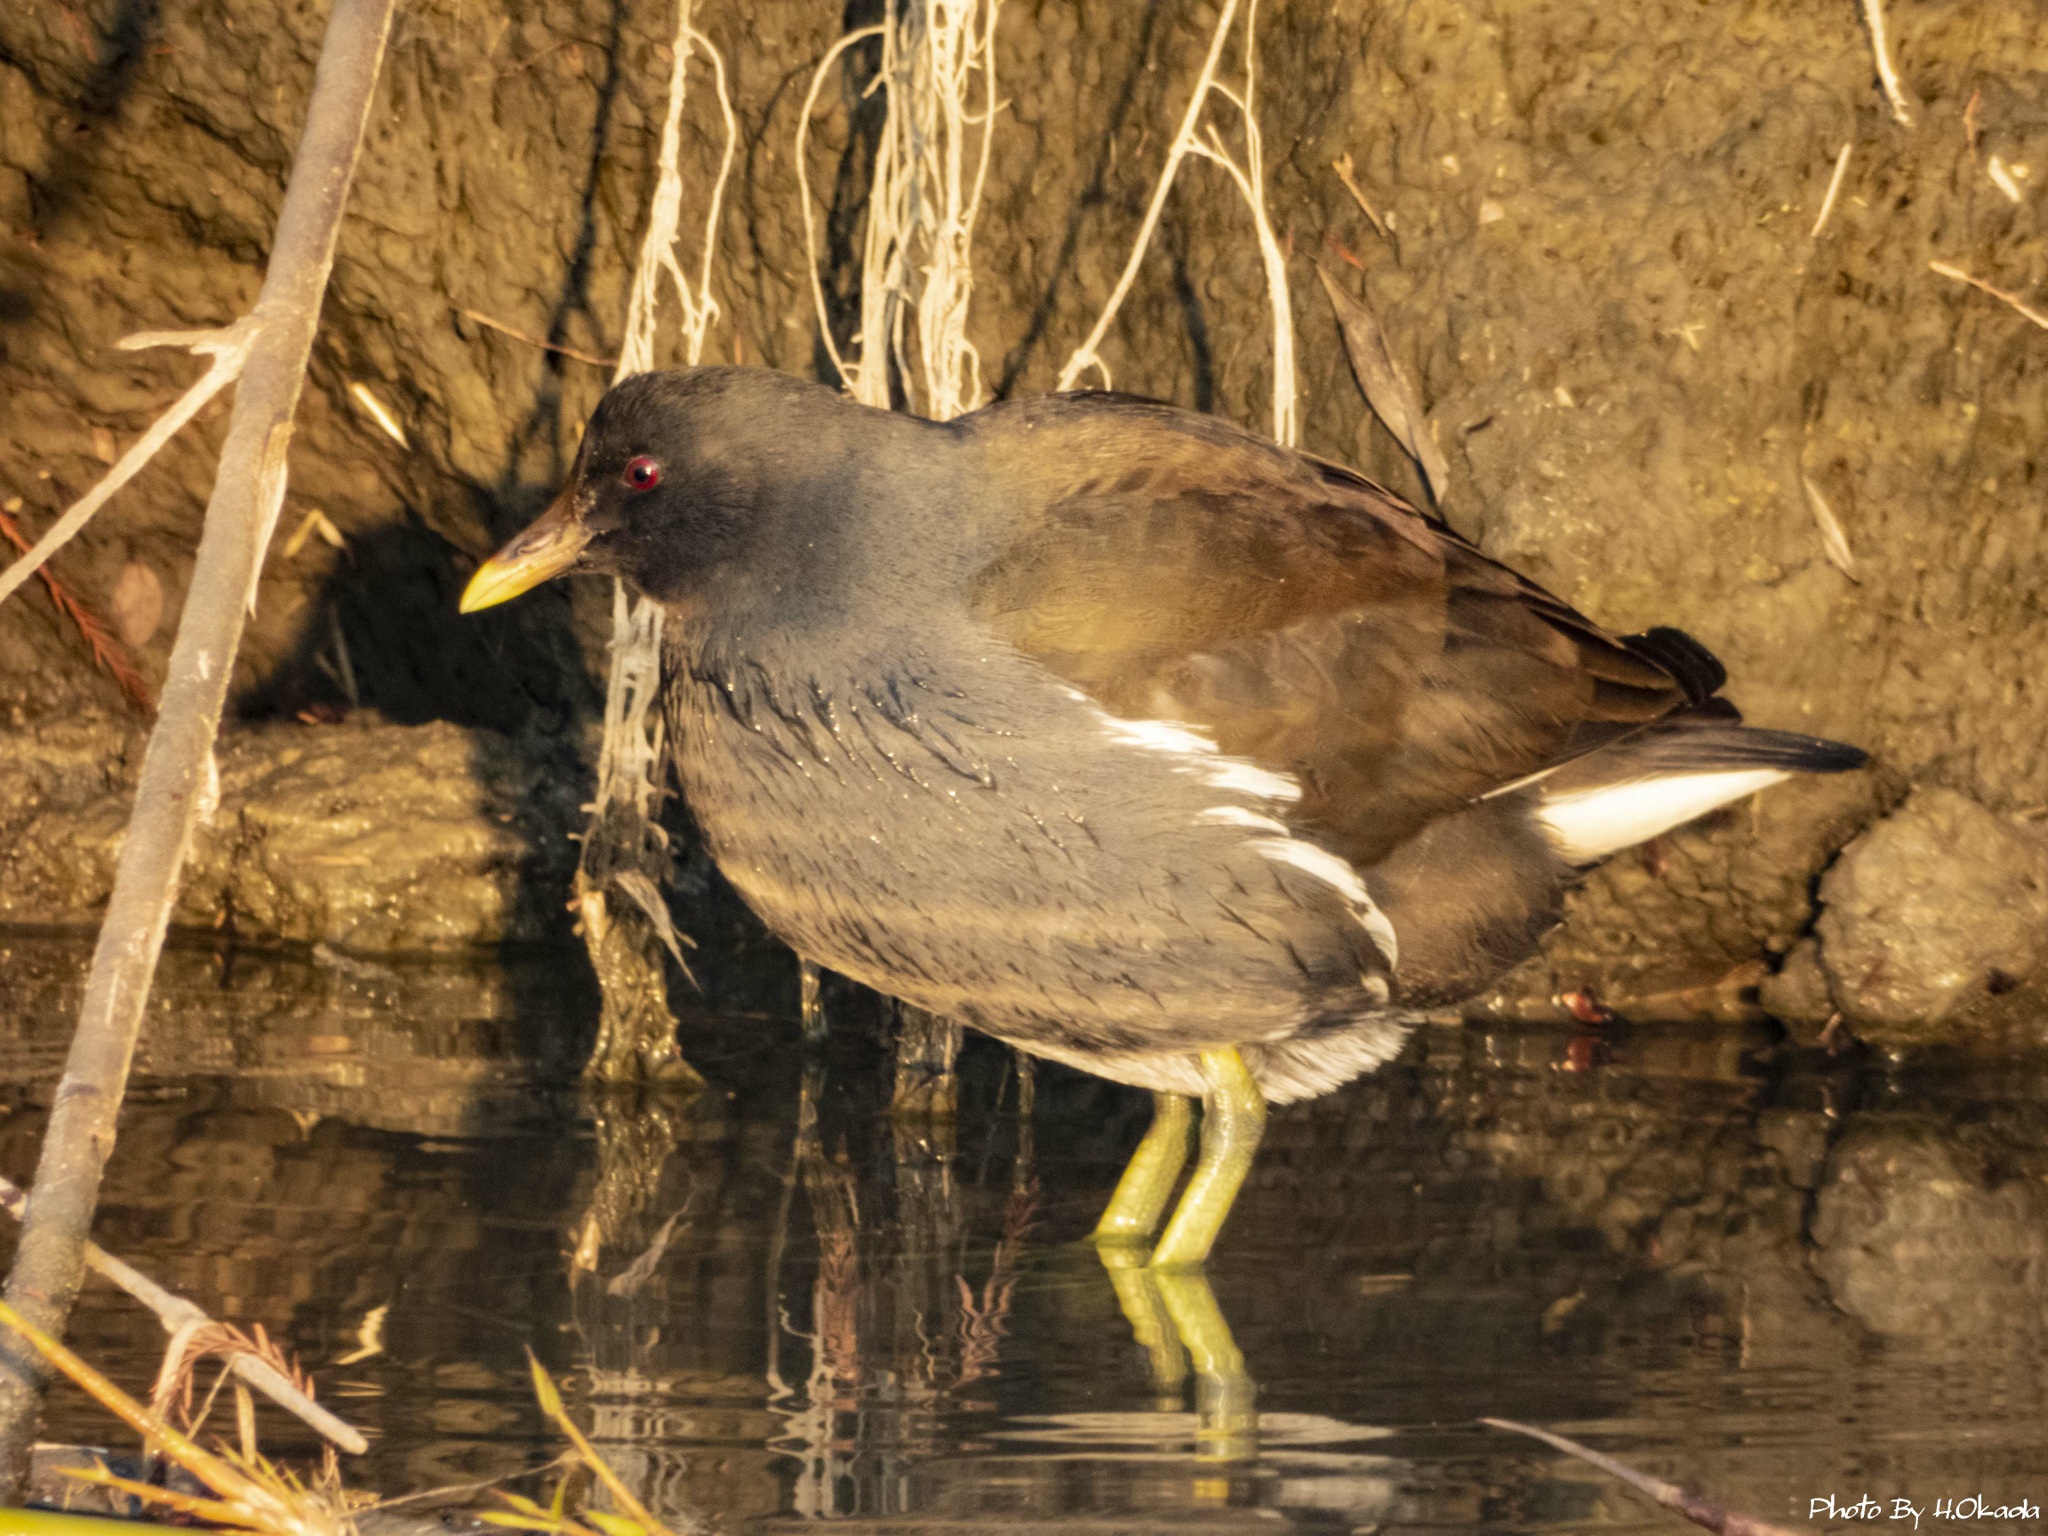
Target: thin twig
x: 1696, y: 1509
x: 1827, y: 204
x: 178, y: 1314
x: 107, y: 651
x: 229, y: 348
x: 1947, y: 270
x: 1873, y: 12
x: 534, y: 341
x: 178, y: 768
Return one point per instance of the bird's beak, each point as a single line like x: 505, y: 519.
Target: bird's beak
x: 547, y: 548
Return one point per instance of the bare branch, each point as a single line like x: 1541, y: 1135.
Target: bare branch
x: 1696, y: 1509
x: 178, y: 767
x: 177, y: 1314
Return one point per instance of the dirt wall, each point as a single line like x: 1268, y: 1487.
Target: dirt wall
x: 1599, y: 268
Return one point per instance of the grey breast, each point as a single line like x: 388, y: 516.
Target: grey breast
x: 1088, y: 883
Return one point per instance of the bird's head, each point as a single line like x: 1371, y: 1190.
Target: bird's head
x: 681, y: 476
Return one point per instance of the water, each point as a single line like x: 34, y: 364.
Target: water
x: 1769, y: 1274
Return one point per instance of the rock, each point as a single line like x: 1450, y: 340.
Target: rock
x: 371, y: 838
x: 1920, y: 1232
x: 1941, y: 903
x: 1798, y: 994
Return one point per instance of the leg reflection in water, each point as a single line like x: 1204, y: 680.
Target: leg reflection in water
x: 1164, y: 1295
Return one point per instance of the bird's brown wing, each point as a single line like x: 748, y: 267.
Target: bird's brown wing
x: 1173, y: 567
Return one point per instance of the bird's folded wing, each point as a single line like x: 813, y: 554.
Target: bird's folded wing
x: 1174, y: 567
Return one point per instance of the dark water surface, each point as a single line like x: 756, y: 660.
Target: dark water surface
x: 1767, y: 1273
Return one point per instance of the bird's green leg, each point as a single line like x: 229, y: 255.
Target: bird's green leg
x: 1226, y: 1415
x: 1147, y: 1184
x: 1233, y: 1117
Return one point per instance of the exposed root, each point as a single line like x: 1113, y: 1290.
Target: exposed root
x: 1195, y: 137
x: 1085, y: 356
x: 624, y: 845
x: 917, y: 270
x: 107, y: 652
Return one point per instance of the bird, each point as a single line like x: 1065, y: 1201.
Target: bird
x: 1124, y: 734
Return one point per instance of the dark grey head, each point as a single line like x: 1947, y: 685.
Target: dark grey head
x: 690, y: 483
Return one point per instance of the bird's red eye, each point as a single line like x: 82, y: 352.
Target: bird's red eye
x: 643, y: 474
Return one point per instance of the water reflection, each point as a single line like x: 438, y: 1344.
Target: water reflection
x: 1776, y: 1275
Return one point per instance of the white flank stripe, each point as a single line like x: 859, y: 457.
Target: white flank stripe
x: 1250, y: 779
x: 1199, y: 755
x: 1238, y: 816
x: 1334, y: 872
x: 1592, y: 823
x: 1158, y: 736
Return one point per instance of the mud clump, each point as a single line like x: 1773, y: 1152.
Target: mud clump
x: 370, y: 838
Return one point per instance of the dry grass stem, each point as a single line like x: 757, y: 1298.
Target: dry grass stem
x: 1386, y: 387
x: 229, y: 349
x: 2002, y: 178
x: 1700, y: 1511
x: 534, y: 341
x: 1085, y: 356
x: 181, y: 1317
x: 526, y: 1515
x: 314, y: 522
x: 248, y: 1492
x: 1342, y: 166
x: 1946, y: 269
x: 1833, y: 542
x: 1827, y: 204
x: 1881, y: 53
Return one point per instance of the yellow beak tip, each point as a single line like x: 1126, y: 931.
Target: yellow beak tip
x: 477, y: 595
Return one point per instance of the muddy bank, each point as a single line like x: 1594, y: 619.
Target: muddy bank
x: 1599, y: 266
